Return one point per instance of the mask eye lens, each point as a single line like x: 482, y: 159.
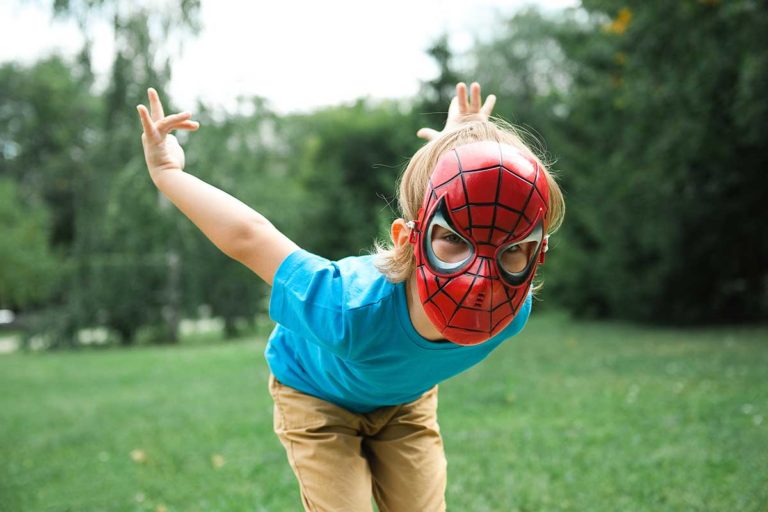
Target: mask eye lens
x: 516, y: 260
x: 446, y: 250
x: 516, y: 257
x: 448, y: 246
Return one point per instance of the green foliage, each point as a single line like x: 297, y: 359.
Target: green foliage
x: 129, y: 281
x: 661, y: 195
x: 435, y: 95
x: 125, y: 264
x: 653, y: 114
x: 27, y: 266
x: 523, y: 65
x: 44, y: 129
x: 566, y: 416
x: 346, y: 160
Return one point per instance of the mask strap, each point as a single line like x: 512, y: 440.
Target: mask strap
x: 544, y: 249
x: 415, y: 227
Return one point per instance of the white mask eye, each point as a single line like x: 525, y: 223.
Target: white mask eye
x: 516, y: 260
x: 447, y: 251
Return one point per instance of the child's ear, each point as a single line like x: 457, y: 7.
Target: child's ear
x: 399, y: 232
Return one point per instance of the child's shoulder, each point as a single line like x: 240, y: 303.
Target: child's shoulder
x: 364, y: 285
x: 350, y: 283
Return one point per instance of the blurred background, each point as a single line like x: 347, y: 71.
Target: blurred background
x: 654, y: 117
x: 653, y: 114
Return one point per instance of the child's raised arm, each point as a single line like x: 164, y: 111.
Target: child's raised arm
x: 239, y: 231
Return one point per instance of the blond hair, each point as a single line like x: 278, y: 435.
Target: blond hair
x: 398, y: 263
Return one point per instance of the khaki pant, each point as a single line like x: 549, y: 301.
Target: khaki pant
x: 342, y: 459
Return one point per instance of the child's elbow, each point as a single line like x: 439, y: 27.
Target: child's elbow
x: 247, y: 238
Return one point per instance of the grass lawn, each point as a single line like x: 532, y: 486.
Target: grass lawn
x: 567, y: 416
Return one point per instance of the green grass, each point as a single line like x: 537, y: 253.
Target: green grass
x: 567, y: 416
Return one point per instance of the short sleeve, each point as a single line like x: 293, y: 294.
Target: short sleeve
x: 308, y: 299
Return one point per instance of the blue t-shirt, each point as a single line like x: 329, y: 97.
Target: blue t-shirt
x: 344, y: 334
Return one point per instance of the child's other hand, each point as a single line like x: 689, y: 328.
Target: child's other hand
x: 463, y: 111
x: 161, y: 149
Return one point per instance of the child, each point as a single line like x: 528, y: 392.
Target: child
x: 361, y: 344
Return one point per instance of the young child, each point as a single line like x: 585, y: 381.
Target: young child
x: 361, y: 344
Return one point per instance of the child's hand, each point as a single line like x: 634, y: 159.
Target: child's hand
x: 461, y: 112
x: 161, y: 149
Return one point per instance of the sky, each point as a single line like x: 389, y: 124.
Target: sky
x: 299, y: 54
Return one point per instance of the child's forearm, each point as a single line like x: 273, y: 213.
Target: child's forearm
x: 225, y: 220
x: 239, y: 231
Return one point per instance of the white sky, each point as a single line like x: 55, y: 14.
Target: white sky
x: 299, y: 54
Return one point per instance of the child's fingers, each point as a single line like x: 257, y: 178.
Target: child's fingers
x: 171, y: 122
x: 474, y: 92
x: 461, y: 94
x: 453, y: 108
x: 146, y: 122
x: 427, y: 133
x: 155, y: 105
x: 188, y: 125
x: 490, y: 102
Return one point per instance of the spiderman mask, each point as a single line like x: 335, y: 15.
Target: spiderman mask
x: 479, y: 239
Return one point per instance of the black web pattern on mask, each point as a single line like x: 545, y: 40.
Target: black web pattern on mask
x: 510, y: 295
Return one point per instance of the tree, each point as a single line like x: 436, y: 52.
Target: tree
x: 431, y: 105
x: 651, y: 111
x: 126, y: 264
x: 45, y: 154
x: 27, y: 265
x: 523, y: 64
x: 346, y: 160
x: 665, y: 139
x: 46, y: 117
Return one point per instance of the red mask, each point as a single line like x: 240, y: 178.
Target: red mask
x: 483, y: 201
